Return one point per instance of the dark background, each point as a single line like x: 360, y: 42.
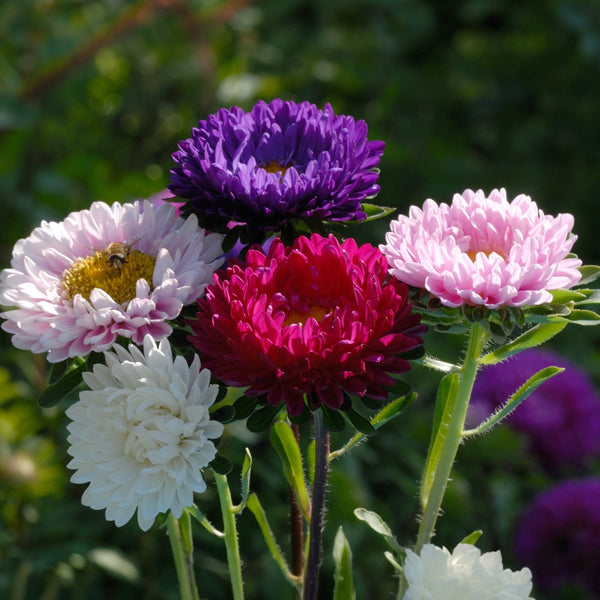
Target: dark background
x: 94, y: 96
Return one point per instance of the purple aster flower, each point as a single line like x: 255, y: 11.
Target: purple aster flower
x: 280, y: 161
x: 558, y: 537
x: 561, y: 419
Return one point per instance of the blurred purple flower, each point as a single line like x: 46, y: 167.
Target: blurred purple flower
x: 558, y: 537
x: 278, y: 162
x: 561, y: 419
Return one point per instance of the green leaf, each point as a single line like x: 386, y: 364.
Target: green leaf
x: 342, y: 577
x: 333, y: 419
x: 377, y: 524
x: 566, y: 296
x: 472, y: 538
x: 359, y: 422
x: 70, y: 382
x: 527, y: 388
x: 283, y: 440
x: 258, y: 511
x: 220, y: 465
x: 400, y: 388
x: 589, y: 273
x: 392, y: 410
x: 225, y: 414
x: 583, y: 317
x: 244, y: 407
x: 262, y: 419
x: 58, y: 370
x: 246, y: 472
x: 376, y: 212
x: 195, y: 512
x: 532, y: 337
x: 444, y: 406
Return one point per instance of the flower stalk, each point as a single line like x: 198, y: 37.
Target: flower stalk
x: 311, y: 576
x: 180, y: 536
x: 231, y: 537
x: 453, y: 435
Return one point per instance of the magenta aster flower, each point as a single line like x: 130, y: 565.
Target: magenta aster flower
x: 110, y: 271
x: 558, y: 537
x: 278, y: 162
x: 318, y: 319
x: 483, y: 251
x: 560, y: 420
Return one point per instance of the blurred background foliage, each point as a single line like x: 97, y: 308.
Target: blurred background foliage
x: 94, y: 96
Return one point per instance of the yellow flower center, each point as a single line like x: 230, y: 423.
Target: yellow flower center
x: 116, y: 274
x: 275, y: 167
x: 316, y: 312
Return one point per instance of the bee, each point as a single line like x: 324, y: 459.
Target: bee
x: 117, y: 254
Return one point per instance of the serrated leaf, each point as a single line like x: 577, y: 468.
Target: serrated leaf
x: 521, y: 394
x: 262, y: 419
x: 342, y: 556
x: 283, y: 440
x: 531, y: 338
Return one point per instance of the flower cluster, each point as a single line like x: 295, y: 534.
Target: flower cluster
x: 279, y: 162
x: 142, y: 433
x: 308, y: 323
x: 319, y: 318
x: 464, y: 574
x: 483, y: 251
x: 110, y: 271
x: 561, y: 419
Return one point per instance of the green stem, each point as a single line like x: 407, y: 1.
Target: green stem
x: 231, y: 537
x: 181, y: 546
x: 313, y: 563
x: 453, y: 437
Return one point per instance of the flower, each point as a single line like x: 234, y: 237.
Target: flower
x: 318, y: 318
x: 560, y: 420
x: 141, y: 434
x: 483, y: 251
x: 278, y: 162
x: 120, y: 270
x: 466, y: 574
x: 558, y: 536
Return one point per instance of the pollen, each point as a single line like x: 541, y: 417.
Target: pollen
x: 96, y: 271
x: 316, y: 312
x: 275, y: 167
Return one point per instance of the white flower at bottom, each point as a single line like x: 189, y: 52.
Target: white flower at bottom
x: 141, y: 435
x: 466, y: 574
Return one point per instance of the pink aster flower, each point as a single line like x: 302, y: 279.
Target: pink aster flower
x: 318, y: 318
x: 483, y: 251
x: 110, y: 271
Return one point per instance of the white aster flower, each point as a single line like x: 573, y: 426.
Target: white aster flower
x: 466, y: 574
x: 141, y: 435
x: 110, y: 271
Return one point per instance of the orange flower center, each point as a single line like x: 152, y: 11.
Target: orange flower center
x: 316, y: 312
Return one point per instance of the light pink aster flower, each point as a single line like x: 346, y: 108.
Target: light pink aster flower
x: 74, y: 291
x: 483, y: 251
